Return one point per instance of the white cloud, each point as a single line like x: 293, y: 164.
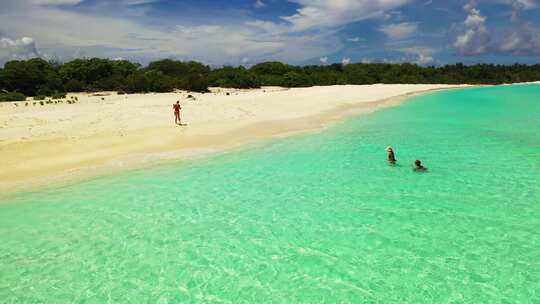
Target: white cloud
x: 323, y: 60
x: 18, y: 49
x: 524, y: 40
x: 345, y: 61
x: 424, y: 60
x: 399, y: 31
x: 475, y: 39
x: 268, y: 26
x: 419, y: 55
x: 366, y: 60
x: 519, y: 39
x: 354, y: 39
x: 57, y: 2
x: 520, y: 5
x: 307, y: 34
x: 259, y: 4
x: 314, y: 14
x: 239, y: 42
x: 136, y: 2
x: 323, y: 17
x: 66, y: 34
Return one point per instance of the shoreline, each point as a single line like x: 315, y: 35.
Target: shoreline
x: 55, y: 158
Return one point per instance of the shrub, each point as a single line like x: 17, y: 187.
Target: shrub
x: 233, y: 77
x: 44, y: 92
x: 74, y: 85
x: 121, y: 93
x: 42, y: 103
x: 138, y: 83
x: 30, y: 76
x: 294, y: 79
x: 196, y: 83
x: 58, y: 95
x: 12, y: 96
x: 40, y: 97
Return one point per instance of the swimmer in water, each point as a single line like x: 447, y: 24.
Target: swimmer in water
x: 418, y: 166
x: 391, y: 155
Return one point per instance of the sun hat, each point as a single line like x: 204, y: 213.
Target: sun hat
x: 389, y: 148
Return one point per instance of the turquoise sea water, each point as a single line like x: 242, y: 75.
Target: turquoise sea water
x: 318, y: 218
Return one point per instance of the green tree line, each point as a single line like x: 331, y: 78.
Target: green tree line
x: 37, y: 77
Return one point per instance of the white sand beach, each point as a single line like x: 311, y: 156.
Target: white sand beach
x: 110, y: 132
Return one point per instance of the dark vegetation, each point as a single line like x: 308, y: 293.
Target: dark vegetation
x: 12, y: 96
x: 37, y: 77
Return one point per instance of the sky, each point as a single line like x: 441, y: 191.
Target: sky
x: 245, y: 32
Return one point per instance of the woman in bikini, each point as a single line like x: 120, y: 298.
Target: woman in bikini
x: 177, y: 108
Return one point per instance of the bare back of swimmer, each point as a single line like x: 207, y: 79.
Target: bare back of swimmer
x: 418, y: 166
x: 391, y: 155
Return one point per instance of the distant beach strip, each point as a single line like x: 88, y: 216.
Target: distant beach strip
x: 100, y: 133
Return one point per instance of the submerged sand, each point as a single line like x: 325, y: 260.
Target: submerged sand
x: 106, y: 132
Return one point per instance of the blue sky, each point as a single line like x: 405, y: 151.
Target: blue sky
x: 217, y: 32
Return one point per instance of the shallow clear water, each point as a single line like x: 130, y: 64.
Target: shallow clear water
x: 312, y: 219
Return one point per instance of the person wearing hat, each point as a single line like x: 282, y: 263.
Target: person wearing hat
x: 391, y: 155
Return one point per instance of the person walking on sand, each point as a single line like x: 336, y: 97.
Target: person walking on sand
x: 177, y: 108
x: 391, y: 155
